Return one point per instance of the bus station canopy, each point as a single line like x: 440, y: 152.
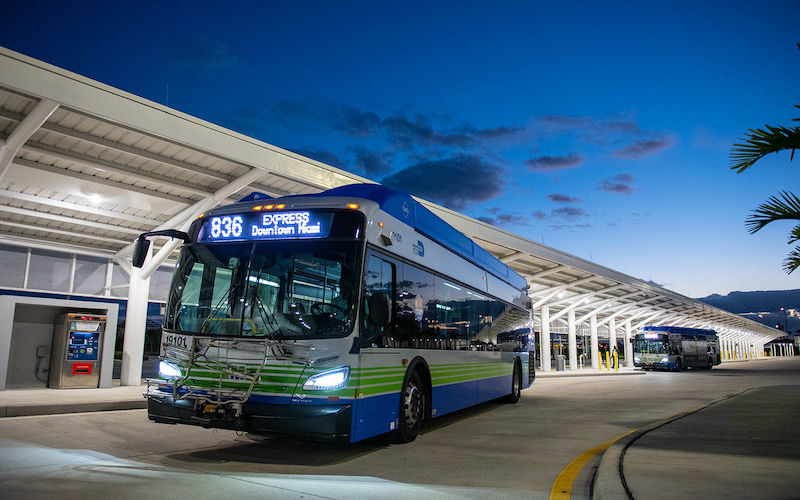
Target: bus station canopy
x: 85, y: 168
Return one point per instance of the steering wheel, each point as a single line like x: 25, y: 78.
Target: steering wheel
x: 318, y: 308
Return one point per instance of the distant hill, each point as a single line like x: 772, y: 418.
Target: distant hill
x: 768, y: 303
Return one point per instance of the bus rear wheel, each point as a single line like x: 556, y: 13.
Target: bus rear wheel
x: 412, y: 408
x: 516, y: 385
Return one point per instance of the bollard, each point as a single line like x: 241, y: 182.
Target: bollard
x: 608, y: 365
x: 616, y: 361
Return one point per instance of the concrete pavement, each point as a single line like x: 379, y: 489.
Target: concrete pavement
x: 745, y: 445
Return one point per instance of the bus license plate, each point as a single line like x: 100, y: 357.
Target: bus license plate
x: 175, y: 340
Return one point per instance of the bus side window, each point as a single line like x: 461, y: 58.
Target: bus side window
x: 379, y: 278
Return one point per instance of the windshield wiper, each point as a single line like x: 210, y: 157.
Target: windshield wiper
x: 212, y: 313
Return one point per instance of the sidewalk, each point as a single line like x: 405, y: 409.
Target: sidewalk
x: 43, y: 401
x: 589, y: 372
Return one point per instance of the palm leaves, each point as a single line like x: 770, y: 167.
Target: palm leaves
x: 785, y: 207
x: 757, y: 144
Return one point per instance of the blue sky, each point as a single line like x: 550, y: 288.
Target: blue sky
x: 599, y: 128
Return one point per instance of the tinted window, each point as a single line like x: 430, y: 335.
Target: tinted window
x: 432, y: 312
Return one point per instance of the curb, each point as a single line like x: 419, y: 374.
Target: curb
x: 567, y: 374
x: 56, y: 409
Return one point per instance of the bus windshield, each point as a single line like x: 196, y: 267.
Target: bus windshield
x: 277, y: 289
x: 650, y: 346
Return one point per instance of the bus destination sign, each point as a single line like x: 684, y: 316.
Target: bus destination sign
x: 266, y: 226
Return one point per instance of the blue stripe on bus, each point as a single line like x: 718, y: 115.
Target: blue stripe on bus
x: 454, y: 397
x: 374, y: 415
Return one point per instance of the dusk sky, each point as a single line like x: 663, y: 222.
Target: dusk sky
x: 601, y: 129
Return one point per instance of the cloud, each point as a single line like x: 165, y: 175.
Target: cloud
x: 455, y: 182
x: 551, y: 163
x: 620, y: 184
x: 399, y: 130
x: 372, y: 162
x: 337, y: 117
x: 506, y: 219
x: 204, y: 53
x: 568, y: 212
x: 642, y: 148
x: 499, y: 133
x: 354, y: 122
x: 562, y: 198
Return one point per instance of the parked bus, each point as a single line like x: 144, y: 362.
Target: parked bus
x: 341, y: 315
x: 675, y: 348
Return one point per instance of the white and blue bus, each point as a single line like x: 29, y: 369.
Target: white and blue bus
x: 341, y: 315
x: 675, y: 348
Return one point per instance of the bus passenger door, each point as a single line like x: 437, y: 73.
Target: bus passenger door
x: 380, y: 371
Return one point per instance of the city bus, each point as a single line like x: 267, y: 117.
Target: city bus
x: 675, y: 348
x: 341, y: 315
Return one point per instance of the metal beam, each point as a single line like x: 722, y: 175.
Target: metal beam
x: 72, y: 174
x: 107, y: 166
x: 33, y: 242
x: 512, y: 257
x: 26, y: 128
x: 76, y: 207
x: 63, y: 232
x: 68, y: 220
x: 185, y: 217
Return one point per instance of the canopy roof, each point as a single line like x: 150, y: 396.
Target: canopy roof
x: 85, y: 168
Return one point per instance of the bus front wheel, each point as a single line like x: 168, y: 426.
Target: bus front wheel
x: 412, y: 408
x: 678, y: 365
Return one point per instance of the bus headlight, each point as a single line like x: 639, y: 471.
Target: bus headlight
x: 169, y: 371
x: 665, y: 359
x: 329, y: 380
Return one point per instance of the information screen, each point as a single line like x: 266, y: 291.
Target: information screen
x: 266, y: 226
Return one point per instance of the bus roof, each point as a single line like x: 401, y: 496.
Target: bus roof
x: 403, y: 207
x: 678, y: 329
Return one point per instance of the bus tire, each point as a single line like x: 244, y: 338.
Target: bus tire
x: 678, y: 365
x: 412, y: 407
x: 710, y: 364
x: 516, y: 384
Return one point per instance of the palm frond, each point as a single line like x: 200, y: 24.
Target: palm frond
x: 792, y: 262
x: 794, y: 236
x: 759, y: 143
x: 774, y: 209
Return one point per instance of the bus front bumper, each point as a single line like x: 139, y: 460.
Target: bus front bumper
x: 655, y: 365
x: 328, y: 422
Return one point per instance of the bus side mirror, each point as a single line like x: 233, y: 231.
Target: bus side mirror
x: 142, y: 244
x: 140, y: 249
x: 380, y: 308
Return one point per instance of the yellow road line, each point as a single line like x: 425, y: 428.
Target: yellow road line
x: 562, y: 487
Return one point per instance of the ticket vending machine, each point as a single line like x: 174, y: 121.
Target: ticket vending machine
x: 75, y: 358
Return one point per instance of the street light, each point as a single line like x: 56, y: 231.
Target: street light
x: 785, y: 324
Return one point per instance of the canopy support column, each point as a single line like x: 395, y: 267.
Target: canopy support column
x: 594, y: 350
x: 628, y: 345
x: 544, y: 339
x: 135, y: 325
x: 572, y: 341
